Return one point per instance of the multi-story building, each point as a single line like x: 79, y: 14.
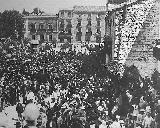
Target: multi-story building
x: 88, y: 23
x: 41, y: 27
x: 65, y: 25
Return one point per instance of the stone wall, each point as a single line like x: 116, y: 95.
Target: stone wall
x: 141, y: 54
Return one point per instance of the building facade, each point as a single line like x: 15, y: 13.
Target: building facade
x: 41, y: 27
x: 65, y: 26
x: 88, y: 24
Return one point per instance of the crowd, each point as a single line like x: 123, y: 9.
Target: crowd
x: 60, y: 90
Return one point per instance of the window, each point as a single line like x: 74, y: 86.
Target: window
x: 98, y: 30
x: 69, y: 30
x: 32, y: 26
x: 41, y: 26
x: 79, y: 24
x: 33, y: 37
x: 61, y: 40
x: 78, y: 37
x: 54, y: 26
x: 87, y: 36
x: 89, y: 23
x: 99, y: 15
x: 98, y: 39
x: 90, y: 31
x: 69, y: 14
x: 79, y: 29
x: 89, y: 15
x: 61, y: 26
x: 62, y: 14
x: 98, y: 23
x: 49, y: 26
x: 41, y: 37
x: 50, y: 37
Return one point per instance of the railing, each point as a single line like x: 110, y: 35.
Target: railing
x: 41, y: 30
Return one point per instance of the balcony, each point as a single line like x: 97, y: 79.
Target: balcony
x: 41, y: 31
x: 68, y: 19
x: 68, y: 35
x: 98, y: 26
x: 49, y: 30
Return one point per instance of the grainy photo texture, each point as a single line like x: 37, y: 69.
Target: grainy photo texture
x: 80, y: 64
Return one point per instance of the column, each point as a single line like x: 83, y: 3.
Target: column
x: 26, y: 27
x: 83, y: 24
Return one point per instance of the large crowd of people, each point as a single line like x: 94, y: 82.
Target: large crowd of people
x: 69, y: 89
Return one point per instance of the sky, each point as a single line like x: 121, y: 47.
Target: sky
x: 48, y: 6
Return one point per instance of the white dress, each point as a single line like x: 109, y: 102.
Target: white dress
x: 115, y: 124
x: 103, y: 125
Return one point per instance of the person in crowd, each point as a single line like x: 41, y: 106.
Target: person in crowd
x: 20, y: 109
x: 148, y: 121
x: 115, y: 123
x: 140, y: 117
x: 31, y: 114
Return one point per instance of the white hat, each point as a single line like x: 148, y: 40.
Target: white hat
x: 31, y: 112
x: 82, y: 107
x: 117, y: 116
x: 121, y: 121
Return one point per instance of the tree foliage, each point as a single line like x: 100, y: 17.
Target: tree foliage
x: 11, y: 23
x: 25, y: 13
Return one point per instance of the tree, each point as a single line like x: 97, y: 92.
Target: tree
x: 11, y: 24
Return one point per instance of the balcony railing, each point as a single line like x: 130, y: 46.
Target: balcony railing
x: 41, y: 30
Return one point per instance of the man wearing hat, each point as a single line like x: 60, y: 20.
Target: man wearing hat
x: 148, y: 121
x: 116, y: 123
x: 140, y: 117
